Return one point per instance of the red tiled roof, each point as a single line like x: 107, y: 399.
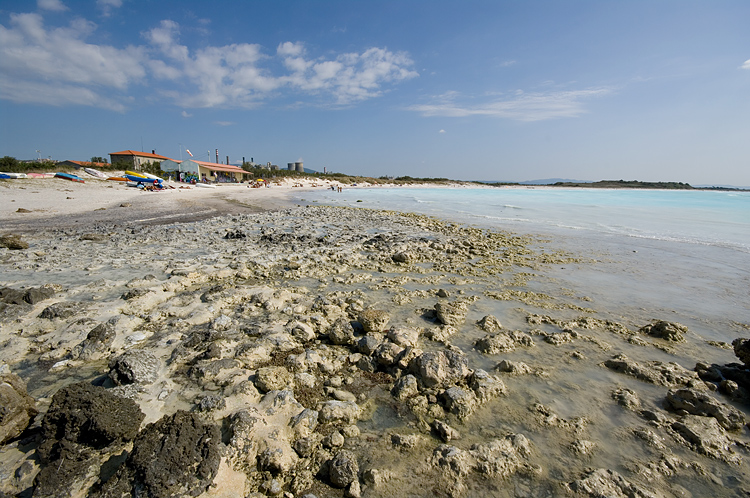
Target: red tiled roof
x: 137, y: 153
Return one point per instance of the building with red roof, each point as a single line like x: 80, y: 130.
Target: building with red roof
x: 134, y: 160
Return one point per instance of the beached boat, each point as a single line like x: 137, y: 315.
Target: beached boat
x: 7, y: 176
x: 142, y: 179
x: 96, y: 173
x: 41, y: 175
x: 69, y: 176
x: 117, y: 179
x: 204, y: 185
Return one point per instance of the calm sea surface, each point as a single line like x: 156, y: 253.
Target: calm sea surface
x: 682, y: 255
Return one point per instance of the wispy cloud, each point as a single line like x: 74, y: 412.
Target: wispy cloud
x: 520, y: 106
x: 66, y: 69
x: 107, y: 6
x: 746, y: 65
x: 223, y: 123
x: 54, y: 5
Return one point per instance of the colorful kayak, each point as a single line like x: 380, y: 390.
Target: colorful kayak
x: 117, y: 179
x: 41, y: 175
x: 68, y: 176
x: 7, y: 176
x: 142, y: 179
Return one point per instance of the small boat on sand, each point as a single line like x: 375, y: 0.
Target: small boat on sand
x: 95, y: 172
x: 69, y: 176
x: 8, y: 176
x: 118, y: 179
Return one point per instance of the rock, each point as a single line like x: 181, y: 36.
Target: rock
x: 97, y: 342
x: 655, y: 372
x: 277, y: 458
x: 513, y: 367
x: 88, y: 416
x: 459, y: 401
x: 333, y: 440
x: 343, y: 469
x: 451, y: 313
x: 501, y: 457
x: 405, y: 387
x: 373, y: 320
x: 306, y: 446
x: 273, y: 379
x: 367, y: 345
x: 627, y: 398
x: 305, y: 422
x: 705, y: 435
x: 445, y: 431
x: 703, y: 404
x: 30, y: 296
x: 341, y: 332
x: 178, y: 455
x: 404, y: 441
x: 603, y: 482
x: 387, y: 353
x: 490, y: 324
x: 452, y: 459
x: 17, y: 408
x: 59, y: 310
x: 135, y: 366
x: 665, y: 330
x: 13, y: 242
x: 486, y: 386
x: 404, y: 336
x: 440, y: 368
x: 503, y: 342
x: 403, y: 257
x: 741, y: 348
x: 339, y: 411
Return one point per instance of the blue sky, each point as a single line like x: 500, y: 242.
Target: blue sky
x: 474, y: 90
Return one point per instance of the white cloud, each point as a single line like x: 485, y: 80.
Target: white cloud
x: 60, y: 65
x: 441, y: 131
x: 223, y: 123
x: 65, y: 68
x: 107, y: 6
x: 186, y: 114
x: 746, y: 65
x: 54, y: 5
x: 521, y: 106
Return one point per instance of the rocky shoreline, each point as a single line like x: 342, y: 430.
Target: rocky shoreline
x: 345, y: 352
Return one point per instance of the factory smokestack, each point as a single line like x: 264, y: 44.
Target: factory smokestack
x: 217, y: 156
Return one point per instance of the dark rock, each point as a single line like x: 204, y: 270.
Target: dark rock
x: 742, y: 350
x: 461, y: 402
x: 134, y: 294
x: 17, y: 408
x: 95, y: 237
x: 343, y: 469
x: 97, y: 342
x: 87, y: 416
x: 176, y: 456
x: 665, y: 330
x: 367, y: 345
x: 235, y: 234
x: 13, y: 242
x: 60, y: 310
x: 36, y: 295
x: 11, y: 296
x: 134, y: 366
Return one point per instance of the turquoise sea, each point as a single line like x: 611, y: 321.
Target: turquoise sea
x: 683, y: 255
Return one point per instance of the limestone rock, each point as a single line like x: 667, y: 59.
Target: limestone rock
x: 503, y: 342
x: 705, y: 435
x: 703, y: 404
x: 655, y: 372
x: 17, y: 408
x: 405, y: 387
x: 627, y: 398
x: 451, y: 313
x: 13, y: 242
x: 486, y: 386
x: 273, y: 379
x: 489, y: 324
x: 665, y: 330
x: 97, y: 342
x: 341, y: 332
x: 604, y: 482
x: 501, y: 457
x: 461, y: 402
x: 339, y: 411
x: 135, y: 366
x: 440, y: 368
x: 373, y: 320
x: 343, y: 469
x: 404, y: 336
